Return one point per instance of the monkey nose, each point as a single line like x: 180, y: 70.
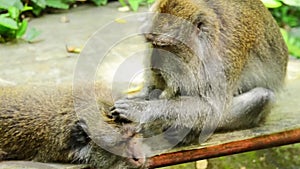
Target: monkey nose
x: 137, y: 161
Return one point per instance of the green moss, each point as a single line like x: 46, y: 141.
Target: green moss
x: 280, y: 157
x: 182, y: 166
x: 285, y: 157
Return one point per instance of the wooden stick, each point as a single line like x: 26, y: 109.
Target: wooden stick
x: 256, y: 143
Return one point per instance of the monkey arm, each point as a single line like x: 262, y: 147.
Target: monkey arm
x: 174, y: 117
x: 185, y: 110
x: 246, y: 110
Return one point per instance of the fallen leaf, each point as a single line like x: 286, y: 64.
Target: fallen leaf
x: 120, y: 20
x: 72, y: 49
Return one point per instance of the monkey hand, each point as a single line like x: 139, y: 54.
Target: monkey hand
x: 130, y: 110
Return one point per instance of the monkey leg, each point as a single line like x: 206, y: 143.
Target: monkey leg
x: 248, y: 109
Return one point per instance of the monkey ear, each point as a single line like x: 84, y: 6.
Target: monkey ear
x: 79, y: 136
x: 199, y: 27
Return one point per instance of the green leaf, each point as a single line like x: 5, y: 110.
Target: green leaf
x: 36, y: 10
x: 150, y: 1
x: 122, y: 2
x: 69, y: 1
x: 40, y: 3
x: 292, y: 42
x: 8, y: 23
x: 292, y: 2
x: 32, y: 34
x: 3, y: 30
x: 6, y: 15
x: 5, y: 4
x: 13, y: 12
x: 272, y: 3
x: 27, y: 8
x: 284, y: 34
x: 100, y: 2
x: 294, y: 48
x: 22, y: 29
x: 134, y: 4
x: 57, y: 4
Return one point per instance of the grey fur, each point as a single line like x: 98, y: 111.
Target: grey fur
x: 40, y: 124
x: 220, y: 75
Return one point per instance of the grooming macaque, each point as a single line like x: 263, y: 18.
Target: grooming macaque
x: 215, y: 65
x: 40, y: 124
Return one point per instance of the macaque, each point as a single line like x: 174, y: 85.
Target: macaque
x: 40, y: 124
x: 215, y: 65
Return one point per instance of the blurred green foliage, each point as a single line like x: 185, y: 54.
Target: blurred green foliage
x: 287, y: 15
x: 284, y: 157
x: 11, y: 26
x: 40, y: 5
x: 134, y: 4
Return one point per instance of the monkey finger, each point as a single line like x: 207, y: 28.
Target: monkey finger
x: 110, y: 113
x: 114, y: 112
x: 122, y: 106
x: 119, y: 111
x: 120, y: 118
x: 123, y: 116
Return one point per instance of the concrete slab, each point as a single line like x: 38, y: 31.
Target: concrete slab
x: 37, y: 165
x: 47, y: 60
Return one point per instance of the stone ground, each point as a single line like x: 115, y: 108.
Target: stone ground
x: 46, y: 61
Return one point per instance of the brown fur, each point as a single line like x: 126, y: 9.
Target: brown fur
x: 40, y: 124
x: 229, y: 59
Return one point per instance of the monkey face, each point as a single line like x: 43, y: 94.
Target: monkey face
x: 181, y: 27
